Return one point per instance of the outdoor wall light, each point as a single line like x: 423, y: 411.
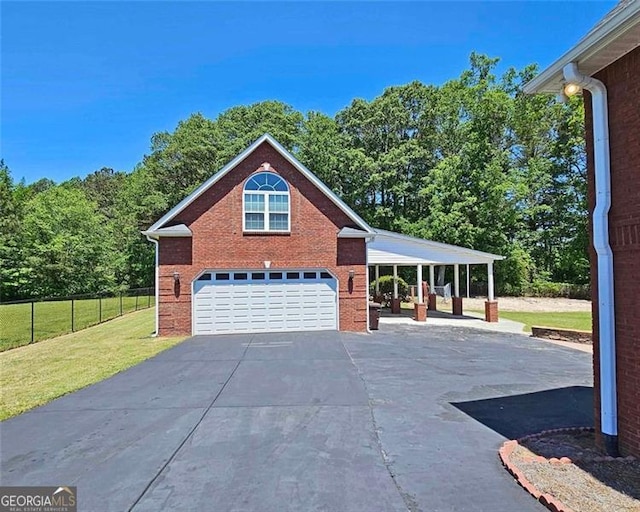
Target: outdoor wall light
x: 352, y: 274
x: 572, y: 89
x: 176, y: 277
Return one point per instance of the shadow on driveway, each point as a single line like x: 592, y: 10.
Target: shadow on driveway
x: 519, y: 415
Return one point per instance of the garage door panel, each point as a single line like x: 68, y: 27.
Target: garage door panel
x: 292, y: 303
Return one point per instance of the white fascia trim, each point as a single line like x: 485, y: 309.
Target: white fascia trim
x: 591, y: 44
x: 367, y: 236
x: 289, y: 157
x: 430, y: 243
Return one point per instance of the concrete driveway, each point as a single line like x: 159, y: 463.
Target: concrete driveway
x: 409, y: 418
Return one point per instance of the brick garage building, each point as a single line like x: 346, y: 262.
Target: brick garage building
x: 263, y: 245
x: 606, y: 65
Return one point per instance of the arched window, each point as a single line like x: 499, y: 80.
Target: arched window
x: 266, y: 203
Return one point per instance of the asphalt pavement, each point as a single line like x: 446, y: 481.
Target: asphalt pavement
x: 406, y: 418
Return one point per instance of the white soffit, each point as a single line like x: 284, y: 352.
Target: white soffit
x: 348, y: 232
x: 179, y: 230
x: 615, y: 35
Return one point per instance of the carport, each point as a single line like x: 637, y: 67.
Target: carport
x: 389, y: 249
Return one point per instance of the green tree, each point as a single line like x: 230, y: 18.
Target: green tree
x: 242, y: 125
x: 65, y: 250
x: 11, y: 277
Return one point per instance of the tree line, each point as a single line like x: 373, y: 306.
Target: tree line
x: 473, y: 162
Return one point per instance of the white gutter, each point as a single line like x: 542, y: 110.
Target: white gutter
x: 157, y: 284
x: 606, y: 307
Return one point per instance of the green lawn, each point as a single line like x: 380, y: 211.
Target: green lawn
x: 53, y: 318
x: 579, y: 320
x: 36, y: 374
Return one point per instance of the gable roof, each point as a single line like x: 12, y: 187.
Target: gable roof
x: 154, y: 230
x: 615, y: 35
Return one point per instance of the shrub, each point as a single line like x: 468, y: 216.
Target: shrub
x: 386, y: 289
x: 551, y: 289
x: 514, y: 273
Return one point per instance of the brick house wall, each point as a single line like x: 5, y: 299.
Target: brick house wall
x: 218, y: 242
x: 621, y: 80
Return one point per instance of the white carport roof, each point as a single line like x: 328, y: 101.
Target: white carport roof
x: 389, y: 248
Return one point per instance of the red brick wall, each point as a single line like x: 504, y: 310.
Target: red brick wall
x: 218, y: 242
x: 621, y: 79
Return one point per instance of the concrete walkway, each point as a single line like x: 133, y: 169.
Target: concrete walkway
x: 472, y: 320
x: 443, y: 318
x: 409, y: 418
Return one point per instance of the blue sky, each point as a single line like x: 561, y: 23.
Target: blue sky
x: 85, y: 85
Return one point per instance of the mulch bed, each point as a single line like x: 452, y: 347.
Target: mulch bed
x: 554, y: 333
x: 565, y: 471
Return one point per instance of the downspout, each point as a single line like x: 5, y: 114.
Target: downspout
x: 366, y: 262
x: 157, y: 283
x: 606, y: 325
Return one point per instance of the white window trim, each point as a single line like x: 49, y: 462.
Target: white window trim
x: 266, y: 212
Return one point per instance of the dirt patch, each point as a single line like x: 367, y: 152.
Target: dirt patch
x: 531, y: 304
x: 566, y: 468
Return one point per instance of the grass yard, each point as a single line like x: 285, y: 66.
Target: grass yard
x: 53, y: 318
x: 579, y: 320
x: 36, y: 374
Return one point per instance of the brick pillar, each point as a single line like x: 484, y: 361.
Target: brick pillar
x: 491, y: 311
x: 395, y: 306
x: 457, y: 306
x: 432, y: 302
x: 420, y: 312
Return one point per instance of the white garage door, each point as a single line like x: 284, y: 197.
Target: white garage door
x: 264, y: 301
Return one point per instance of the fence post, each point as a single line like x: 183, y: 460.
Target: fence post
x: 72, y: 311
x: 120, y: 303
x: 32, y: 320
x: 136, y: 300
x: 148, y: 297
x: 99, y: 309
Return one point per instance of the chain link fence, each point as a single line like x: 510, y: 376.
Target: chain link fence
x: 27, y: 321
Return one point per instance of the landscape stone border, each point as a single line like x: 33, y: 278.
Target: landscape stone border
x: 549, y: 501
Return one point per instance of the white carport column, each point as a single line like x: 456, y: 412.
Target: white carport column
x: 395, y: 281
x: 490, y: 292
x: 431, y: 304
x: 377, y: 280
x: 419, y: 308
x: 468, y: 279
x: 395, y: 302
x: 456, y: 280
x: 457, y: 300
x: 491, y: 306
